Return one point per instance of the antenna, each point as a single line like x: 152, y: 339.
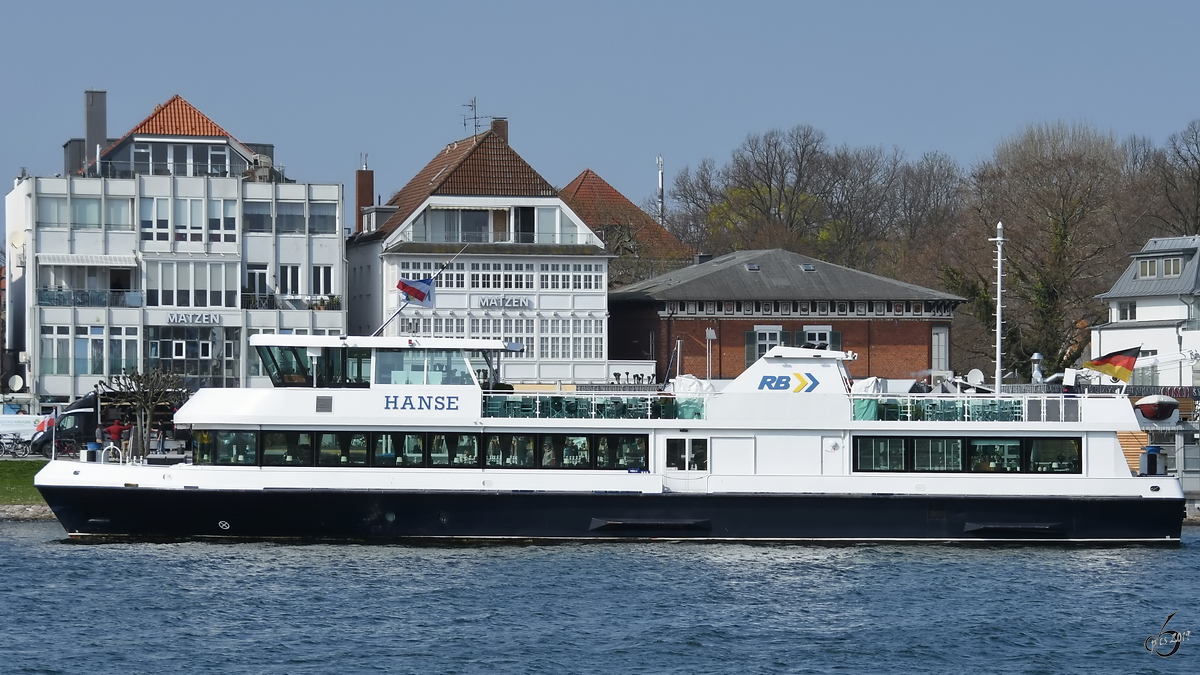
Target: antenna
x: 662, y: 210
x: 999, y: 239
x: 474, y: 116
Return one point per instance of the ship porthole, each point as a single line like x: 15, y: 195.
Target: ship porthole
x: 443, y: 517
x: 389, y: 516
x: 224, y: 524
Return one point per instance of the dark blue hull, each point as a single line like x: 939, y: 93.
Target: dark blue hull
x: 382, y: 516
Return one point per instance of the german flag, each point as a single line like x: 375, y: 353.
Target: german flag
x: 1117, y: 364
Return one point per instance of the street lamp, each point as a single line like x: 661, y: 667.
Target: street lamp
x: 709, y: 336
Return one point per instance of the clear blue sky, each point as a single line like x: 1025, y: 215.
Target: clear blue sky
x: 606, y: 86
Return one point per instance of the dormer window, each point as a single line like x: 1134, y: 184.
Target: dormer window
x: 1148, y: 269
x: 1127, y: 311
x: 1172, y: 267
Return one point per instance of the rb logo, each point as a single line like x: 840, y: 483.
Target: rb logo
x: 775, y: 382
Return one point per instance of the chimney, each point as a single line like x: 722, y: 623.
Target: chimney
x: 500, y: 128
x: 95, y: 125
x: 364, y: 187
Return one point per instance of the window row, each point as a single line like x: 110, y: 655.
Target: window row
x: 84, y: 213
x: 290, y: 217
x: 451, y: 274
x: 617, y: 452
x: 806, y: 307
x: 189, y: 221
x: 191, y: 284
x: 975, y: 455
x: 91, y: 355
x: 1149, y: 269
x: 521, y: 225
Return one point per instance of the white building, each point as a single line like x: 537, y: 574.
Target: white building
x: 1154, y: 305
x: 520, y: 264
x: 167, y: 252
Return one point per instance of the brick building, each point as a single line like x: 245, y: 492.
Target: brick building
x: 755, y: 300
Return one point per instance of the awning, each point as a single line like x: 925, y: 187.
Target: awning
x: 85, y: 260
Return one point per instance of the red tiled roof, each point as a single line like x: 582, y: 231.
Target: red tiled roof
x: 600, y: 204
x: 177, y: 117
x: 483, y: 165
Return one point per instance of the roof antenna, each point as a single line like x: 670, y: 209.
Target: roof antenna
x: 662, y: 210
x: 474, y: 116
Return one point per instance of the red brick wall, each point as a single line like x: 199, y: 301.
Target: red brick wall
x: 890, y: 348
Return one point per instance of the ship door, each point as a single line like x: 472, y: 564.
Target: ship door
x: 687, y: 464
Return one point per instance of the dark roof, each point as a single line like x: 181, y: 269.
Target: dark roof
x: 481, y: 165
x: 600, y: 204
x: 1187, y: 283
x: 781, y: 275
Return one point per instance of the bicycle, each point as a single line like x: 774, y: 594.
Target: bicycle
x: 66, y: 448
x: 14, y: 444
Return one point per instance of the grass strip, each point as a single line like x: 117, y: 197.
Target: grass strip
x: 16, y: 482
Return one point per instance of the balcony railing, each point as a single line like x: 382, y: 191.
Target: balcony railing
x: 127, y: 169
x: 300, y: 302
x: 57, y: 297
x: 1033, y: 408
x: 596, y: 406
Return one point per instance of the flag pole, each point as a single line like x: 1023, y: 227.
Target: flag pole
x: 434, y: 278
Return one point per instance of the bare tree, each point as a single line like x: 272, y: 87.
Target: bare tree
x: 145, y: 392
x: 1176, y: 170
x: 860, y: 204
x: 1059, y: 191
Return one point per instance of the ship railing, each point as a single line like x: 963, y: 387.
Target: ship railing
x: 973, y: 408
x: 574, y: 405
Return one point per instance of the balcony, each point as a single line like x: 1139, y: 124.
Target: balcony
x: 293, y: 302
x: 57, y: 297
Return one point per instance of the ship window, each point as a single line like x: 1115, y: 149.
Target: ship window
x: 287, y: 448
x: 510, y: 451
x: 1055, y: 455
x: 937, y: 454
x: 343, y: 367
x: 287, y: 366
x: 394, y: 449
x: 565, y: 452
x: 995, y: 455
x: 344, y: 448
x: 879, y: 454
x: 227, y: 447
x: 621, y: 452
x: 457, y: 450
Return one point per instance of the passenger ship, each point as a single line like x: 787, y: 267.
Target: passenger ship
x: 399, y: 439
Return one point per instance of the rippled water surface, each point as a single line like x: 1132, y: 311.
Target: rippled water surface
x: 649, y: 608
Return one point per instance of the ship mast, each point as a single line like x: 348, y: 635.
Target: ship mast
x: 999, y: 239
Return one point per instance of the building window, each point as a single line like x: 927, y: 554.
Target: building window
x: 1127, y: 311
x: 118, y: 214
x: 55, y: 350
x: 52, y: 212
x: 322, y: 218
x: 289, y: 217
x: 940, y: 348
x: 823, y: 308
x: 880, y: 308
x: 154, y: 217
x: 257, y: 216
x: 289, y: 279
x: 189, y: 220
x: 1172, y: 267
x: 222, y: 220
x: 85, y: 213
x: 1147, y: 269
x: 322, y: 280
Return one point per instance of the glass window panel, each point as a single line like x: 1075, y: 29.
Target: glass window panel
x: 322, y: 218
x: 344, y: 448
x: 995, y: 455
x: 227, y: 447
x: 937, y: 454
x: 879, y: 454
x: 257, y: 216
x: 289, y: 217
x: 547, y: 224
x: 474, y: 226
x: 118, y: 214
x: 1055, y: 455
x: 459, y: 450
x: 569, y: 229
x: 85, y: 212
x: 511, y: 451
x: 621, y: 452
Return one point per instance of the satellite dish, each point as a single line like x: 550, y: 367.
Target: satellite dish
x: 975, y: 376
x: 15, y: 383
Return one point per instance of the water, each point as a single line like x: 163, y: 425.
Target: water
x: 598, y: 608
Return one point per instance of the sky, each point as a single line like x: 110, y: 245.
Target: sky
x: 607, y: 86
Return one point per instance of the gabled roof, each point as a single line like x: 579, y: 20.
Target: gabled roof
x: 780, y: 275
x: 177, y: 117
x: 600, y: 204
x: 1187, y: 283
x: 483, y: 166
